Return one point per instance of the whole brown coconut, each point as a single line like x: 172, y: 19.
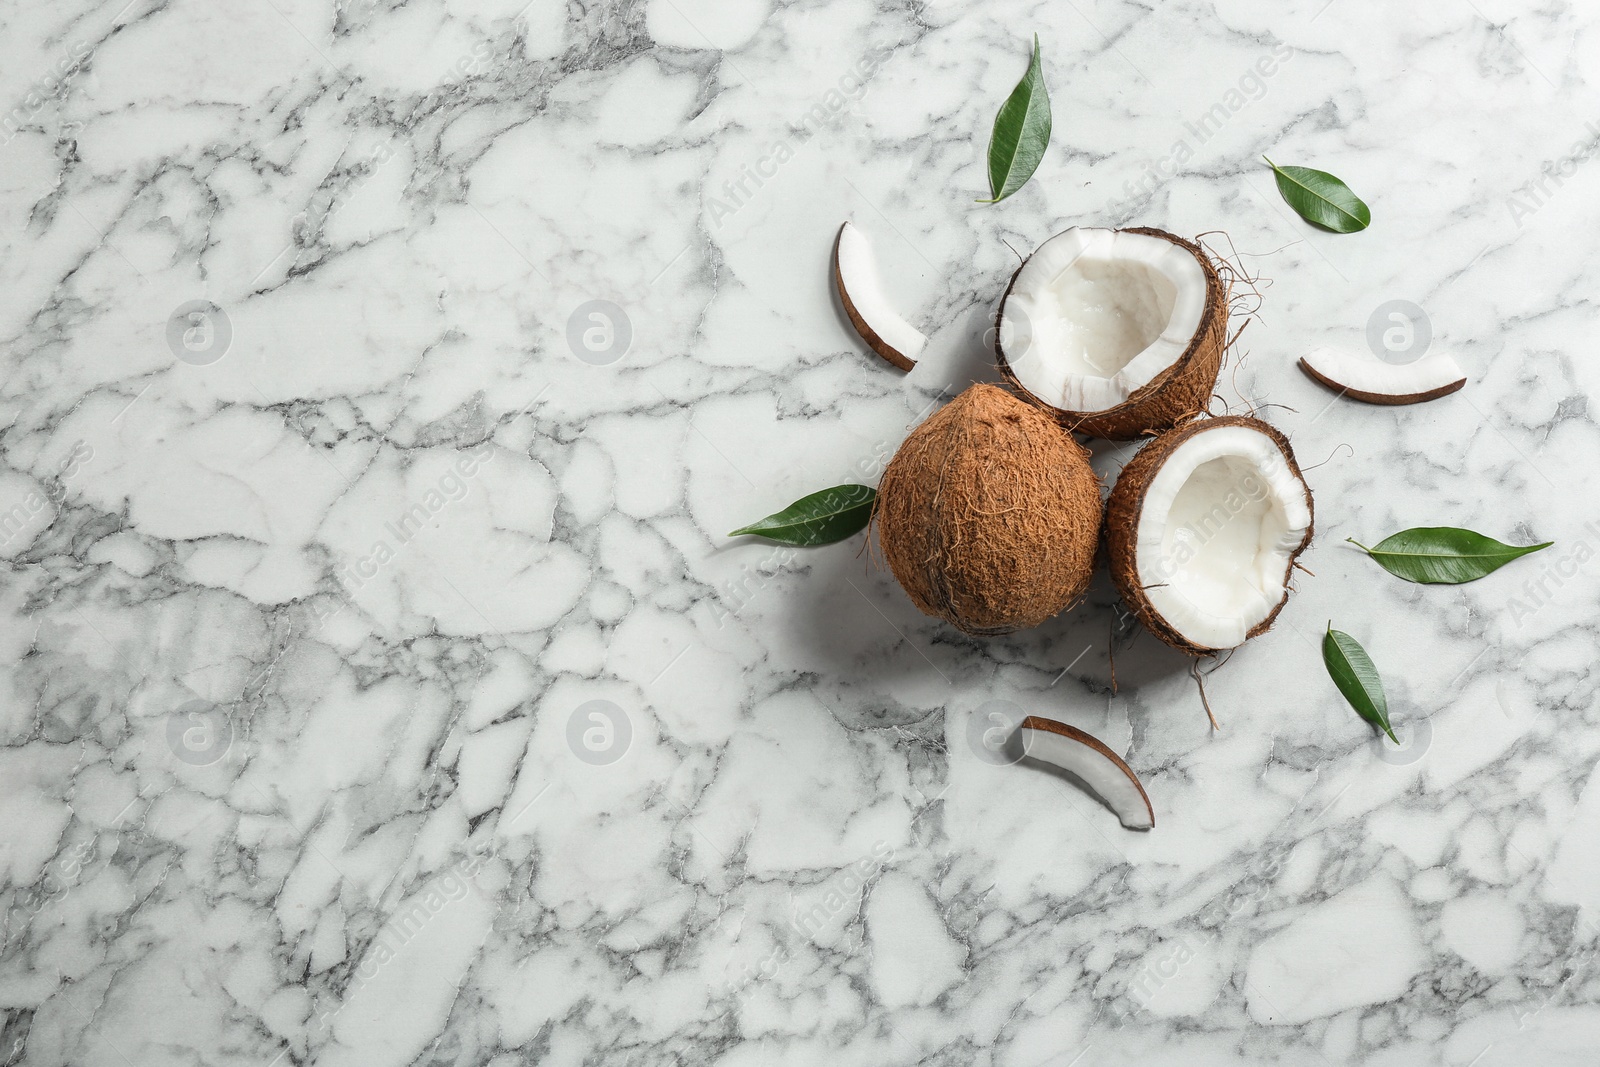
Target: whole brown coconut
x: 989, y: 514
x: 1127, y: 503
x: 1180, y: 391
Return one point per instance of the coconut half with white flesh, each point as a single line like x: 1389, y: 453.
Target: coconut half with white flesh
x: 1203, y: 528
x: 1092, y: 762
x: 1374, y: 381
x: 855, y: 273
x: 1117, y: 333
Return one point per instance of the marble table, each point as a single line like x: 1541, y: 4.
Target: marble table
x: 379, y: 686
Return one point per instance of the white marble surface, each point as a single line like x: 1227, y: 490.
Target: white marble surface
x: 285, y: 780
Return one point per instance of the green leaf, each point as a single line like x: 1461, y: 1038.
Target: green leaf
x: 1021, y: 133
x: 819, y: 519
x: 1443, y: 555
x: 1352, y: 671
x: 1321, y: 199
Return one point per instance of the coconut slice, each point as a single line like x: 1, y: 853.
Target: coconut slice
x: 1116, y: 332
x: 855, y: 272
x: 1202, y: 529
x: 1087, y: 757
x: 1376, y: 382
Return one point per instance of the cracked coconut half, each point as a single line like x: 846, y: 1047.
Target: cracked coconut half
x: 1203, y: 528
x: 1117, y: 333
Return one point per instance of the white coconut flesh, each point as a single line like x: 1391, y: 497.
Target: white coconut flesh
x: 860, y: 278
x: 1106, y: 775
x: 1361, y: 373
x: 1096, y: 314
x: 1219, y: 524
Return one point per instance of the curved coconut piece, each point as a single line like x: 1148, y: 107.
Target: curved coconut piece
x: 1117, y: 333
x: 1203, y: 528
x: 1087, y: 757
x: 855, y: 272
x: 989, y: 514
x: 1376, y: 382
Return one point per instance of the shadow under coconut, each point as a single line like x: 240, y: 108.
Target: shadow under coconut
x: 1086, y: 637
x: 857, y: 632
x: 889, y: 664
x: 961, y: 354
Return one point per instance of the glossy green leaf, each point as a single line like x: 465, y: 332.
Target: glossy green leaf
x: 1443, y: 555
x: 819, y: 519
x: 1321, y: 199
x: 1352, y: 671
x: 1021, y: 133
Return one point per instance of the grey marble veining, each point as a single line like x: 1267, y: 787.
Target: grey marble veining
x: 377, y: 685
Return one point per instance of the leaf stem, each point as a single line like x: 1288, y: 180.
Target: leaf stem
x: 1359, y: 545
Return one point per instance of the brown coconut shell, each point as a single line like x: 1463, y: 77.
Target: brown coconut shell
x: 989, y: 514
x: 1126, y: 503
x: 1182, y: 390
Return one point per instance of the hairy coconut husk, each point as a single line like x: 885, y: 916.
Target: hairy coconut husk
x: 1183, y: 389
x: 989, y: 514
x: 1127, y: 502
